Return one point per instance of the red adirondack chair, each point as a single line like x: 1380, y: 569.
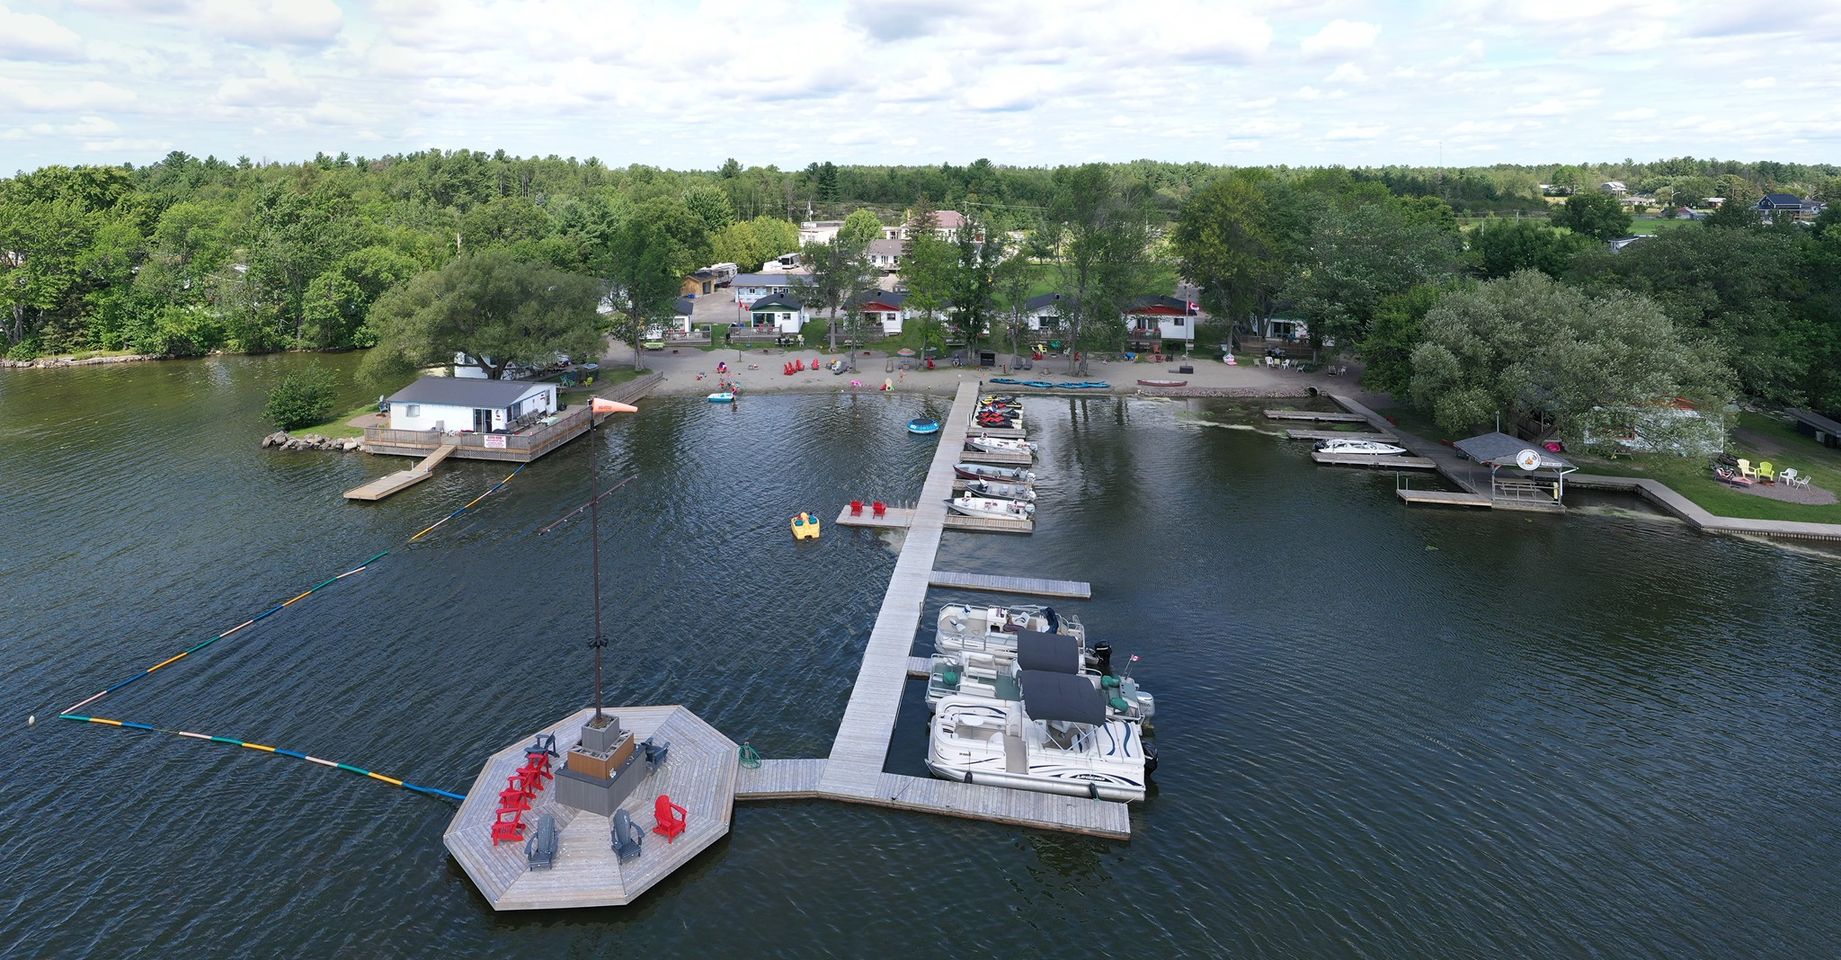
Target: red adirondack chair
x: 672, y: 819
x: 511, y: 830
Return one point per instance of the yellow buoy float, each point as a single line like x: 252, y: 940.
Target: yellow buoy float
x: 805, y: 527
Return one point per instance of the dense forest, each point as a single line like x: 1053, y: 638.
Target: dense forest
x: 188, y: 255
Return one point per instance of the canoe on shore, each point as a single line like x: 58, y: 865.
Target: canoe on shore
x: 1163, y: 383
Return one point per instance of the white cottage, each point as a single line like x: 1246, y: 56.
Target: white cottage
x: 885, y: 308
x: 1159, y: 318
x: 781, y: 313
x: 456, y: 404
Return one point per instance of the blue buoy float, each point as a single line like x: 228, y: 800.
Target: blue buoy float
x: 923, y: 425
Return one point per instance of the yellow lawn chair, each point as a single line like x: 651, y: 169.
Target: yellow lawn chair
x: 1766, y: 472
x: 1746, y: 471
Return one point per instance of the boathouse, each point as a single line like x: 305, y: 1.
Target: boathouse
x: 452, y: 404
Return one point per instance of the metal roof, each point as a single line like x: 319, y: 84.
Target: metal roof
x: 465, y: 392
x: 1815, y: 420
x: 784, y: 301
x: 759, y: 280
x: 1500, y: 449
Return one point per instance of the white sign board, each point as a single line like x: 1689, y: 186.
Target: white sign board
x: 1529, y: 460
x: 495, y: 441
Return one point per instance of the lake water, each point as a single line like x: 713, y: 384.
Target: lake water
x: 1385, y: 732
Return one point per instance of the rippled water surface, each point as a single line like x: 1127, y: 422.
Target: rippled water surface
x: 1386, y: 732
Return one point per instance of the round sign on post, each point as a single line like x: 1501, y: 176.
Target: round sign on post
x: 1529, y: 460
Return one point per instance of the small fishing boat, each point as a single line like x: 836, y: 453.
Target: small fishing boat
x: 1163, y: 383
x: 985, y: 675
x: 994, y: 630
x: 805, y: 527
x: 923, y: 425
x: 1000, y: 445
x: 722, y: 396
x: 1055, y: 739
x: 1001, y: 490
x: 992, y: 508
x: 985, y: 471
x: 1365, y: 448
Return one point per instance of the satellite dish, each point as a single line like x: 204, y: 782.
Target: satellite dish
x: 1529, y: 460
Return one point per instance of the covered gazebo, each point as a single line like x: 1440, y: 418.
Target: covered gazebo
x: 1534, y: 473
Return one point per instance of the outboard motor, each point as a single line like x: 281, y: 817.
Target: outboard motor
x: 1150, y: 757
x: 1054, y: 622
x: 1102, y: 658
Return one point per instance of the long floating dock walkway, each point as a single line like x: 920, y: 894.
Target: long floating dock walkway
x: 855, y: 765
x: 853, y: 772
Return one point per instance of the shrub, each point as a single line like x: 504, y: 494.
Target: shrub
x: 302, y: 398
x: 23, y: 350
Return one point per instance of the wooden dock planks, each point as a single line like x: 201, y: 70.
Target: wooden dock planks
x: 700, y: 774
x: 861, y: 745
x: 1033, y: 586
x: 780, y: 780
x: 1315, y: 415
x: 402, y: 479
x: 1338, y: 435
x: 999, y: 457
x: 1445, y: 498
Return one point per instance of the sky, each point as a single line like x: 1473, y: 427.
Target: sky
x: 687, y: 84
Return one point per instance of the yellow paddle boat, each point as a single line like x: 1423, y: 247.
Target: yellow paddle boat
x: 805, y: 527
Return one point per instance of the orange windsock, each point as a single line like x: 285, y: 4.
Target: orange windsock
x: 609, y: 406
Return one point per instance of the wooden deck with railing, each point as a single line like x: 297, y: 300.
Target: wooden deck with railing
x: 520, y: 447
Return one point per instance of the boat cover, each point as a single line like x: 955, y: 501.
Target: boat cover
x: 1036, y: 650
x: 1061, y: 696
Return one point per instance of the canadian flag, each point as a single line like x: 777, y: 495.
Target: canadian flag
x: 599, y: 405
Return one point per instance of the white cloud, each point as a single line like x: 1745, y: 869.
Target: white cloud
x: 122, y: 147
x: 31, y: 36
x: 1340, y: 38
x: 1347, y: 73
x: 1356, y: 132
x: 920, y: 81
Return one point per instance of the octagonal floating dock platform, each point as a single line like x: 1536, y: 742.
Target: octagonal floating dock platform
x: 699, y: 774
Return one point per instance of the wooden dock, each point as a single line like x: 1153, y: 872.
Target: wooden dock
x: 1001, y: 457
x: 1033, y: 586
x: 1012, y: 433
x: 780, y: 780
x: 1359, y: 460
x: 862, y: 742
x: 900, y: 518
x: 896, y: 518
x: 700, y: 774
x: 1444, y: 498
x: 1338, y: 435
x: 1314, y: 415
x: 402, y: 479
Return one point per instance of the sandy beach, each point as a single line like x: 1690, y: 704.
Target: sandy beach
x: 688, y: 370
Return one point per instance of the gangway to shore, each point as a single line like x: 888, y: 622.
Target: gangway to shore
x: 402, y: 479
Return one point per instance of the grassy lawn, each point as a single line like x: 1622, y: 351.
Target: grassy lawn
x: 1417, y: 422
x: 604, y: 378
x: 336, y: 426
x: 1757, y: 438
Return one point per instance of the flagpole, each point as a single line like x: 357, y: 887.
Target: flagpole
x: 594, y: 538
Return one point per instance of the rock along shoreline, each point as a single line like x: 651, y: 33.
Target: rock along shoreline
x: 283, y: 440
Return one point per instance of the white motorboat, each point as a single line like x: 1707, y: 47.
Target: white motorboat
x: 1001, y: 490
x: 1366, y: 448
x: 992, y: 508
x: 985, y: 471
x: 983, y: 675
x: 1056, y: 739
x: 993, y: 630
x: 1000, y: 445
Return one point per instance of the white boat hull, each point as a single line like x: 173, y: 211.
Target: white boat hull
x: 993, y: 508
x: 996, y: 744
